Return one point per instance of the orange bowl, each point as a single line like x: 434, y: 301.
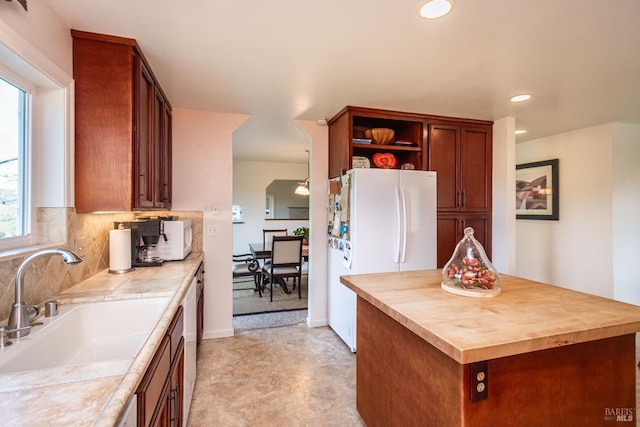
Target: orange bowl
x: 380, y: 135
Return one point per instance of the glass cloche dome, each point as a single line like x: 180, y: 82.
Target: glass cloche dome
x: 469, y: 272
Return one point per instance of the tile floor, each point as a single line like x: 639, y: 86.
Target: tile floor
x: 284, y: 376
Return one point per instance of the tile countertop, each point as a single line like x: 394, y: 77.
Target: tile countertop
x: 527, y: 316
x: 96, y: 395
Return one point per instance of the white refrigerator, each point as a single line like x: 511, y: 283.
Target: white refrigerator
x: 391, y: 227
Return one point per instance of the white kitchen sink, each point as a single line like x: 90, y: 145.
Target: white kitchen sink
x: 85, y: 334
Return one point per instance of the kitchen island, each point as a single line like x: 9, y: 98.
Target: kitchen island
x: 97, y: 395
x: 536, y: 355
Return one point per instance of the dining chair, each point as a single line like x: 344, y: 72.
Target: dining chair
x: 268, y: 234
x: 286, y: 262
x: 267, y: 237
x: 245, y: 265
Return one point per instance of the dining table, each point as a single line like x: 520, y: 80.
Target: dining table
x: 259, y: 252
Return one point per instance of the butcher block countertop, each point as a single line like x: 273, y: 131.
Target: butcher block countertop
x: 526, y: 317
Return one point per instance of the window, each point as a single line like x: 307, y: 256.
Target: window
x: 36, y: 128
x: 14, y: 134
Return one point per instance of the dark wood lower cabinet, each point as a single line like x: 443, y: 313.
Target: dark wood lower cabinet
x: 152, y: 389
x: 175, y: 404
x: 451, y: 231
x: 160, y: 400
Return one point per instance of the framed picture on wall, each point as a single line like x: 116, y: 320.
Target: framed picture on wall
x: 537, y: 194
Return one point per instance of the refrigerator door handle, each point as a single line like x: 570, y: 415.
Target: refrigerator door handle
x: 403, y: 236
x: 399, y: 222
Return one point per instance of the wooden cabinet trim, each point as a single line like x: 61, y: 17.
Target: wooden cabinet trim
x: 402, y: 115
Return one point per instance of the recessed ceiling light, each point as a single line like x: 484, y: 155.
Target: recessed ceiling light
x: 521, y: 131
x: 435, y: 8
x: 520, y: 98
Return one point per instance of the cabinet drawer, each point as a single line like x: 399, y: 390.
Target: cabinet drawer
x: 152, y: 385
x: 175, y: 331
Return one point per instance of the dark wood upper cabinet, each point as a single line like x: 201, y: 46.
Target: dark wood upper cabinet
x: 351, y: 123
x: 461, y: 155
x: 444, y: 154
x: 144, y: 137
x: 458, y: 149
x: 122, y: 127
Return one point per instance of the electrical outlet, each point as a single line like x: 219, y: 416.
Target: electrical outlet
x: 81, y: 246
x: 212, y: 231
x: 479, y: 381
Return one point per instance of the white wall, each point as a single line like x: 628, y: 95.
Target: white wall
x: 41, y: 27
x: 503, y: 211
x: 249, y: 182
x: 575, y: 252
x: 202, y: 181
x: 318, y: 186
x: 626, y: 211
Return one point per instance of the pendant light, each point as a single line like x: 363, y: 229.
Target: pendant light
x: 303, y: 188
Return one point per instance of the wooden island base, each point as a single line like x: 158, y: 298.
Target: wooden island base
x: 402, y: 380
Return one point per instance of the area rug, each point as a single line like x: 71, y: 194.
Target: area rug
x: 247, y: 301
x: 269, y: 320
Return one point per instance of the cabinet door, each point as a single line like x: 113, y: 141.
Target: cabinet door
x: 153, y: 387
x: 156, y: 147
x: 481, y: 225
x: 444, y: 146
x: 447, y: 238
x: 162, y: 417
x: 165, y: 164
x: 340, y: 134
x: 475, y: 169
x: 143, y: 145
x: 451, y: 231
x: 175, y: 402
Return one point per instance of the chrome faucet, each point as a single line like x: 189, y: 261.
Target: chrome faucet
x: 19, y: 317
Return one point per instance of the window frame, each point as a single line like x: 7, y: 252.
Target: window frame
x: 25, y: 166
x: 51, y: 183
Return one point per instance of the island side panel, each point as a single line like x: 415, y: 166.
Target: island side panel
x: 571, y: 385
x: 401, y: 379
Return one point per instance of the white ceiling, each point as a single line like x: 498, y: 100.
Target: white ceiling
x: 280, y: 60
